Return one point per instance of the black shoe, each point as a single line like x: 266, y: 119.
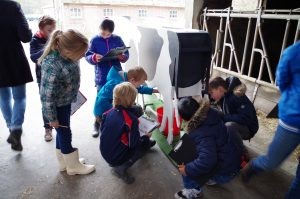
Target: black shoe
x: 152, y: 143
x: 96, y: 129
x: 15, y: 140
x: 123, y: 175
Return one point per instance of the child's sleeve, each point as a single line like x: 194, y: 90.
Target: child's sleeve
x: 90, y: 54
x: 126, y: 54
x: 283, y: 71
x: 48, y: 92
x: 35, y: 52
x: 243, y: 111
x: 206, y: 160
x: 145, y: 90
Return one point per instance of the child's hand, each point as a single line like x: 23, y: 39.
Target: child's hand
x: 54, y: 124
x: 155, y: 91
x: 121, y: 57
x: 181, y: 169
x: 98, y: 57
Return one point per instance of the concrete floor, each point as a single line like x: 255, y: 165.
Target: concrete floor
x: 33, y: 173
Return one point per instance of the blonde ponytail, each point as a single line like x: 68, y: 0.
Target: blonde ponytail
x: 70, y: 40
x: 52, y: 44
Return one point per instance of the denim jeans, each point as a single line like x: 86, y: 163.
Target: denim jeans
x: 13, y: 113
x: 282, y: 145
x: 64, y: 135
x: 45, y: 120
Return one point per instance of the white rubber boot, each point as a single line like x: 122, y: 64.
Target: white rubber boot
x: 61, y: 161
x: 74, y: 166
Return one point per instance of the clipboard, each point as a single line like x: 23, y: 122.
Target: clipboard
x: 113, y: 53
x: 80, y: 100
x: 184, y: 151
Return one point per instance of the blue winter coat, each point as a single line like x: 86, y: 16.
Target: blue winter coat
x: 288, y: 80
x: 117, y: 141
x: 102, y: 46
x: 237, y: 107
x: 37, y: 45
x: 105, y: 95
x: 215, y: 147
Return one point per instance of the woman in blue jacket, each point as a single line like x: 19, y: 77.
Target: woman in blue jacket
x: 218, y: 158
x: 287, y: 136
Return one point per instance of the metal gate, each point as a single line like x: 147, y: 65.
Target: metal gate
x: 225, y: 40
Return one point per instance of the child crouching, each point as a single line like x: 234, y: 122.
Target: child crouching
x: 218, y: 160
x: 120, y: 143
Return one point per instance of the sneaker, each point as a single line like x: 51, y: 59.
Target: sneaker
x: 210, y: 182
x: 189, y: 193
x: 48, y: 135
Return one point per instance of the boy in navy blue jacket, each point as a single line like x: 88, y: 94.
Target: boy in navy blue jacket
x: 120, y: 143
x: 218, y: 159
x: 46, y: 27
x: 237, y: 110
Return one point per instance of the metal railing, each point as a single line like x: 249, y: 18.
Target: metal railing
x: 244, y: 69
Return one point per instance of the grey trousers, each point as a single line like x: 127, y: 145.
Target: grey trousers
x: 238, y: 133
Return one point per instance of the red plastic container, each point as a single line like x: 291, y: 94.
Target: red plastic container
x: 160, y: 113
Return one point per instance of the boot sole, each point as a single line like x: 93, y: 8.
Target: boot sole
x: 72, y: 173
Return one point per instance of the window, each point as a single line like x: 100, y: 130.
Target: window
x: 75, y: 12
x: 108, y: 12
x: 173, y: 13
x: 142, y: 13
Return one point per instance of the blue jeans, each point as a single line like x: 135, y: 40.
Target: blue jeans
x: 13, y: 114
x: 282, y: 145
x: 64, y: 135
x: 189, y: 183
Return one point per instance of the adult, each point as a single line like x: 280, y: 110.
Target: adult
x: 14, y: 69
x: 287, y: 136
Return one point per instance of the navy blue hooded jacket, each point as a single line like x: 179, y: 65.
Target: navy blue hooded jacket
x: 102, y: 46
x: 118, y: 141
x: 37, y: 46
x: 237, y: 107
x: 215, y: 147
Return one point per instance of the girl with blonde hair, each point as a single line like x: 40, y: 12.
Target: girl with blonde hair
x: 59, y: 87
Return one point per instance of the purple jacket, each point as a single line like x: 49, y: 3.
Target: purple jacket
x: 99, y: 45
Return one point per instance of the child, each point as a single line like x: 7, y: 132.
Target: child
x: 100, y: 45
x: 136, y: 76
x: 46, y: 27
x: 59, y: 88
x: 238, y: 111
x: 120, y: 142
x: 218, y: 159
x: 287, y: 136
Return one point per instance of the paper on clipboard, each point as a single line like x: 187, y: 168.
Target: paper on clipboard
x: 146, y: 125
x: 81, y: 99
